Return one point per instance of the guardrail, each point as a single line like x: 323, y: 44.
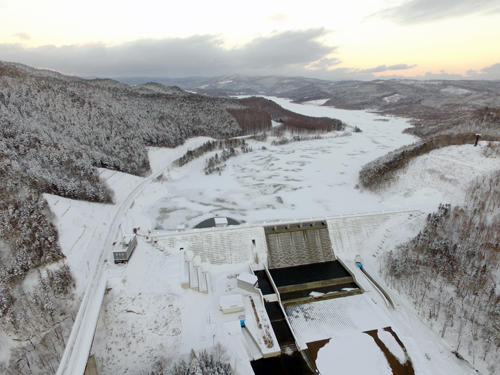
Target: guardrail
x: 376, y: 284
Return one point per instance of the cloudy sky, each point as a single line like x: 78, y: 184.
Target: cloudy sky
x: 356, y: 39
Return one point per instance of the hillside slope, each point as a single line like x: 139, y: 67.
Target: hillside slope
x: 57, y: 129
x: 457, y: 258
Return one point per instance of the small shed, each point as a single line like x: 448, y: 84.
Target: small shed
x: 124, y: 256
x: 231, y: 303
x: 247, y: 281
x: 221, y: 221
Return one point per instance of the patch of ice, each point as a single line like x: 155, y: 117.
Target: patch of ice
x: 388, y: 339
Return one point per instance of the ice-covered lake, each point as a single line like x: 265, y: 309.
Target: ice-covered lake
x: 297, y: 180
x: 305, y: 179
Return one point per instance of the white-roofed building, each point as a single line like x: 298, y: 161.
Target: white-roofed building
x: 231, y: 303
x: 247, y: 281
x: 221, y: 222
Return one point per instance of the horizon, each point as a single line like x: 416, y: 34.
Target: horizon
x: 362, y: 40
x: 170, y: 81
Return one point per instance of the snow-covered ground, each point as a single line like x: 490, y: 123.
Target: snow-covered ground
x: 146, y: 314
x: 344, y: 320
x: 442, y: 175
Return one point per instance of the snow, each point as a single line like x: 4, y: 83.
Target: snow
x: 393, y: 98
x: 287, y: 181
x: 220, y: 221
x: 78, y: 224
x: 247, y: 278
x: 335, y: 318
x: 6, y: 343
x: 231, y: 303
x: 234, y: 338
x: 96, y: 254
x: 455, y: 90
x: 393, y: 346
x: 371, y: 236
x: 354, y: 354
x: 161, y: 157
x: 151, y: 317
x: 442, y: 175
x: 147, y: 313
x: 275, y: 123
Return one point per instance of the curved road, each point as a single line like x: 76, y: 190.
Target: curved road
x: 78, y: 347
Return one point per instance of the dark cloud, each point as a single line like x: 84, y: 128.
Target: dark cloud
x: 287, y: 48
x: 442, y: 75
x: 281, y: 53
x: 420, y: 11
x: 293, y: 53
x: 490, y: 72
x: 388, y: 68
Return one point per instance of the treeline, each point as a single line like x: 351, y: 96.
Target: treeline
x: 252, y: 120
x: 296, y: 138
x: 209, y: 146
x: 205, y: 362
x: 449, y: 271
x: 216, y: 163
x: 313, y: 125
x: 292, y: 120
x: 383, y: 170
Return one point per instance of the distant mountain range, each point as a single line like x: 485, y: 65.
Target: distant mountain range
x: 436, y: 106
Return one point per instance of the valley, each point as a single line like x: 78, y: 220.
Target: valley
x: 247, y: 190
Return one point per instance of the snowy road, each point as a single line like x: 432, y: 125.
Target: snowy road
x: 75, y: 355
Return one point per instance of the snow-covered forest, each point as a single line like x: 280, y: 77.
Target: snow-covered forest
x: 56, y: 130
x: 449, y: 272
x: 213, y: 362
